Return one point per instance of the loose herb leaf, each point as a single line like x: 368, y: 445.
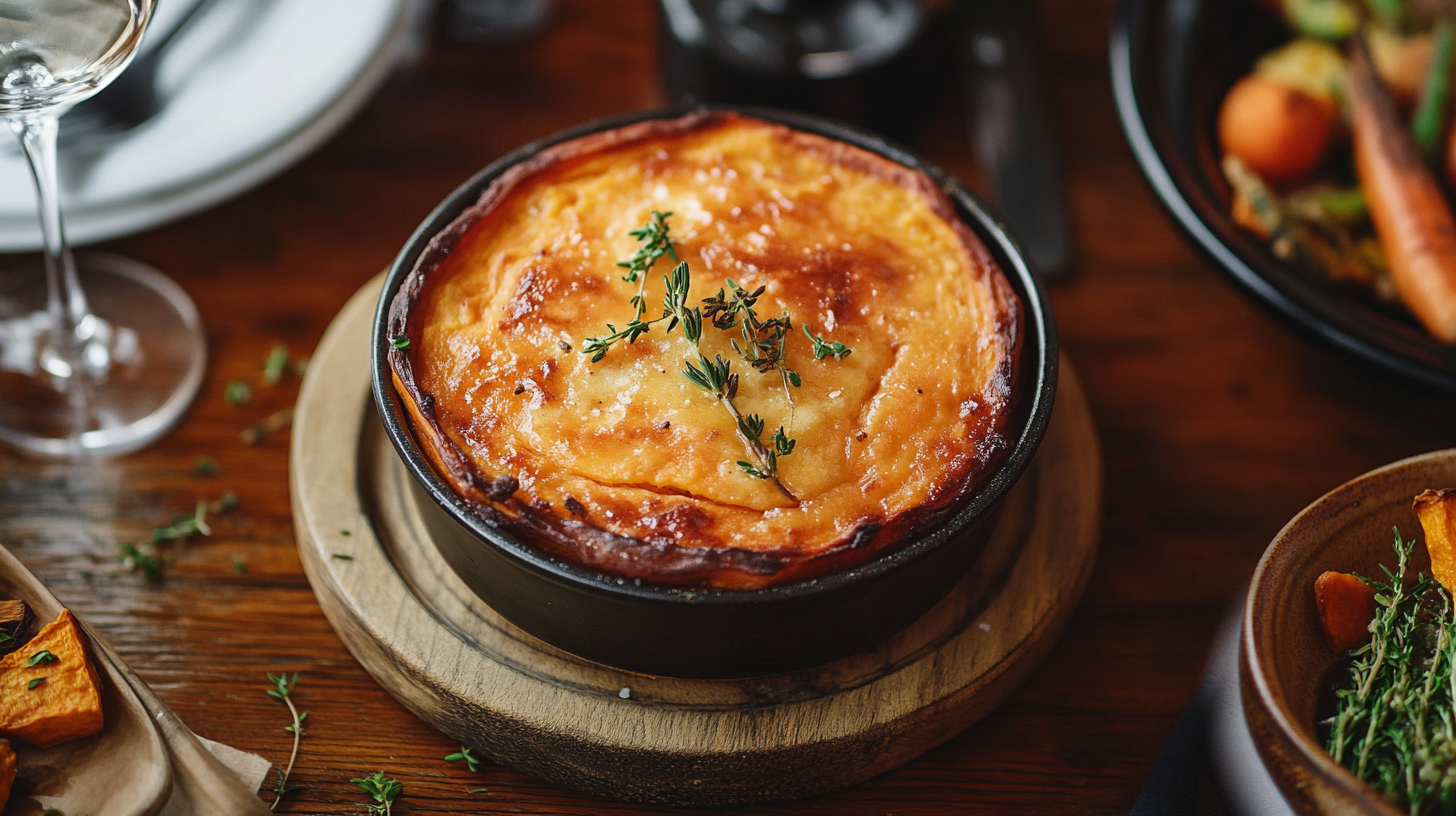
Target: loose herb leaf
x: 41, y: 658
x: 185, y: 528
x: 144, y: 558
x: 253, y: 434
x: 239, y: 565
x: 824, y: 348
x: 343, y: 556
x: 472, y: 761
x: 237, y: 392
x: 276, y: 365
x: 204, y: 466
x: 383, y: 791
x: 399, y: 341
x: 31, y: 686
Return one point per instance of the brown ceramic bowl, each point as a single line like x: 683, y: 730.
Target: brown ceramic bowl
x: 1283, y: 656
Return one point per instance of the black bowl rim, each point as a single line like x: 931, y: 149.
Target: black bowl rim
x: 1039, y: 347
x: 1320, y: 313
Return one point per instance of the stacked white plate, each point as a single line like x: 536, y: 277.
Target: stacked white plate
x: 250, y: 87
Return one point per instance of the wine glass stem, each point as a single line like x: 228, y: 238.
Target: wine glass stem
x: 66, y: 302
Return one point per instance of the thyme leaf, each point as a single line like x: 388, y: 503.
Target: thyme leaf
x: 824, y: 348
x: 237, y: 393
x: 468, y: 756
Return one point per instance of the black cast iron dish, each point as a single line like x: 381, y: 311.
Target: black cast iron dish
x: 1172, y: 63
x: 706, y: 633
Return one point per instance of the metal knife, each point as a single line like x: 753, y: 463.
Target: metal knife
x: 1010, y: 129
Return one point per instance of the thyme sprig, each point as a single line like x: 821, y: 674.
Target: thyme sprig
x: 1395, y: 720
x: 674, y: 309
x: 763, y: 340
x: 282, y: 691
x: 383, y: 791
x: 764, y: 344
x: 655, y: 244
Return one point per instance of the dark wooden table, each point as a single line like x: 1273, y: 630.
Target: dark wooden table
x: 1216, y: 423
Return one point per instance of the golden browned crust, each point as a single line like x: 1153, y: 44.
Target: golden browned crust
x: 624, y: 468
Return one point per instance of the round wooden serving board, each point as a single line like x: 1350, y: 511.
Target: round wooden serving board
x: 455, y: 663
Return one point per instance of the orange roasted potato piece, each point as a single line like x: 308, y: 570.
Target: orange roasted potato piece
x: 7, y: 770
x: 1437, y: 511
x: 1345, y: 608
x: 63, y: 706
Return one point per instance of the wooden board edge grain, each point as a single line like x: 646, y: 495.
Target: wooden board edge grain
x: 547, y: 722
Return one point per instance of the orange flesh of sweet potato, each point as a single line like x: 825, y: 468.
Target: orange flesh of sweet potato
x: 1437, y: 511
x: 64, y: 706
x: 1344, y: 603
x: 7, y: 771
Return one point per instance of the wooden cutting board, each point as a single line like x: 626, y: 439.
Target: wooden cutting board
x: 459, y: 666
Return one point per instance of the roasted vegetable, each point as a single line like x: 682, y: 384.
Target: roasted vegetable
x: 7, y: 770
x: 1406, y: 204
x: 1346, y: 605
x: 1326, y: 19
x: 1309, y: 65
x: 49, y: 693
x: 1312, y: 226
x: 15, y: 618
x: 1402, y: 62
x: 1278, y: 131
x: 1437, y: 511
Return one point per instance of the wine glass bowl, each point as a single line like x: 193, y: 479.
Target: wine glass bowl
x: 58, y: 52
x: 106, y: 355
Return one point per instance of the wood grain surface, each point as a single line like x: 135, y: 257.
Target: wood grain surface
x: 1216, y: 423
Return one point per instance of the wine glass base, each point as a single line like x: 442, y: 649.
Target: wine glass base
x: 150, y: 348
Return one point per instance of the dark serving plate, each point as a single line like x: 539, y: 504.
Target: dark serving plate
x: 1172, y: 63
x: 721, y: 633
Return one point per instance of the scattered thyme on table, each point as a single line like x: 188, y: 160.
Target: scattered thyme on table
x: 282, y: 691
x: 763, y: 348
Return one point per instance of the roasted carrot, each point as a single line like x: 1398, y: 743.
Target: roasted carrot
x: 1410, y: 212
x: 1344, y: 603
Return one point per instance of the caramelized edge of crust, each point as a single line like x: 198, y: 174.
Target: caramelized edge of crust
x: 491, y: 497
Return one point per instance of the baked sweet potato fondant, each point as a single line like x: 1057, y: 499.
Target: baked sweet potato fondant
x: 623, y: 465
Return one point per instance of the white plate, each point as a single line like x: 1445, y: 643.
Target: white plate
x: 254, y: 86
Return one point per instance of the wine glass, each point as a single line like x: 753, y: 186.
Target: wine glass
x: 100, y: 357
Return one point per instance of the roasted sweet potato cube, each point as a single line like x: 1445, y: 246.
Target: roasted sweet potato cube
x: 1345, y: 608
x: 7, y: 770
x: 1437, y: 511
x: 57, y: 699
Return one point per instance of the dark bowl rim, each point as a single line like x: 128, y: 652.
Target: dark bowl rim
x: 1039, y: 347
x: 1251, y: 649
x: 1296, y: 304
